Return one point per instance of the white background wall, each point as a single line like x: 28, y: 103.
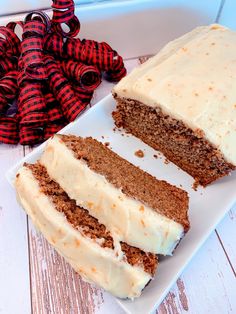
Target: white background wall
x: 133, y: 27
x: 14, y: 6
x: 228, y: 14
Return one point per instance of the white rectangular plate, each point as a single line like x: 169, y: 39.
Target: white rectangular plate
x: 207, y: 206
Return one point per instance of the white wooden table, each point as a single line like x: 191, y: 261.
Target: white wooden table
x: 34, y: 279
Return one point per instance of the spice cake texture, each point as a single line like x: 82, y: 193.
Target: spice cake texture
x: 95, y: 253
x: 109, y: 227
x: 183, y: 102
x: 145, y: 212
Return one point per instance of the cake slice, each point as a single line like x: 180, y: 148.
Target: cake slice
x: 183, y: 102
x: 95, y: 253
x: 145, y: 212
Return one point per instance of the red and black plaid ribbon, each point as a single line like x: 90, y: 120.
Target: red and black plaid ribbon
x: 31, y: 107
x: 9, y: 45
x: 12, y: 25
x: 43, y: 121
x: 7, y: 64
x: 89, y: 52
x: 71, y: 104
x: 53, y: 111
x: 8, y: 89
x: 31, y: 136
x: 38, y: 93
x: 84, y: 95
x: 56, y: 120
x: 86, y: 76
x: 9, y: 133
x: 99, y: 54
x: 54, y: 44
x: 63, y: 13
x: 34, y: 31
x: 30, y: 97
x: 51, y: 129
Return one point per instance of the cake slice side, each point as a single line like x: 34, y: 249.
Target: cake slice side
x: 95, y: 253
x: 186, y: 148
x: 146, y: 212
x: 182, y: 102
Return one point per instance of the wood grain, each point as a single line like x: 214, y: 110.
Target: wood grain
x: 207, y: 283
x: 225, y: 233
x: 14, y: 265
x: 56, y: 288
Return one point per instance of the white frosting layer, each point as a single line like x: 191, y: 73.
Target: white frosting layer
x: 94, y: 263
x: 193, y: 79
x: 134, y: 223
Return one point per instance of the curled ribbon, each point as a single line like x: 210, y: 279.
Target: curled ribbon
x: 86, y: 76
x: 48, y: 78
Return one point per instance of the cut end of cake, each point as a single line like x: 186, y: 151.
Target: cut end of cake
x: 93, y: 251
x: 109, y: 227
x: 146, y: 212
x: 163, y: 197
x: 181, y: 145
x: 182, y: 102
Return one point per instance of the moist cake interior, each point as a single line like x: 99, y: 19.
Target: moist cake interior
x: 89, y: 226
x: 166, y: 199
x: 186, y: 148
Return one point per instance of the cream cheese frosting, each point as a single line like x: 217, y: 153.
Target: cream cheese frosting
x: 131, y: 221
x: 94, y: 263
x: 193, y: 79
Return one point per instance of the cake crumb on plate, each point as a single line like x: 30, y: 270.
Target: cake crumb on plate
x: 166, y: 161
x: 139, y: 153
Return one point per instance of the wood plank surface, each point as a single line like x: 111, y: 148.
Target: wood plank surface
x: 56, y: 288
x: 226, y: 233
x: 14, y: 264
x: 206, y: 286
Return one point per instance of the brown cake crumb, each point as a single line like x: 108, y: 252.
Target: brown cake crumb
x: 106, y: 143
x: 139, y: 153
x: 166, y: 199
x: 148, y: 262
x: 188, y: 149
x: 85, y: 223
x: 143, y: 59
x: 166, y: 161
x: 76, y: 215
x: 155, y: 156
x: 195, y: 185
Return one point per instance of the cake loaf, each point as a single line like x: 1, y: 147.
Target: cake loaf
x: 183, y: 102
x: 144, y: 212
x: 95, y: 253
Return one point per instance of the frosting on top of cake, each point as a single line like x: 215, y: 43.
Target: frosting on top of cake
x: 193, y: 78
